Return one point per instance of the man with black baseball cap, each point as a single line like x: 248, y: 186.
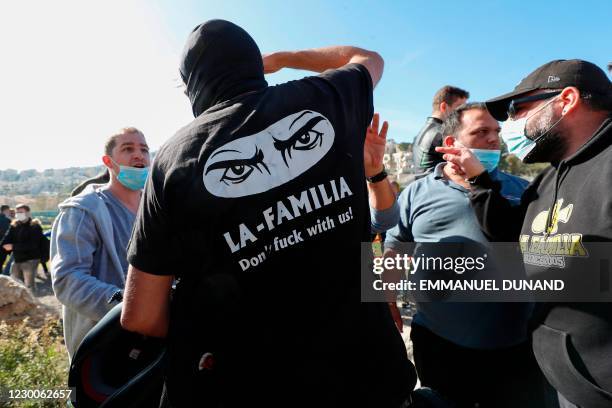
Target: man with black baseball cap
x: 561, y: 114
x: 554, y: 75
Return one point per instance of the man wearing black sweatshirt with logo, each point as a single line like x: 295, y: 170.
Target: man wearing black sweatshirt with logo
x: 560, y: 114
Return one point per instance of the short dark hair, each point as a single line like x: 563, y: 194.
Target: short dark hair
x: 448, y: 94
x: 24, y: 206
x: 610, y: 67
x: 111, y: 142
x: 3, y: 208
x: 452, y: 124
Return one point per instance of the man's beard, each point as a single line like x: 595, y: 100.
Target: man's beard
x: 551, y: 147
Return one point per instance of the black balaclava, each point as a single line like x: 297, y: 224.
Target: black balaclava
x: 220, y: 61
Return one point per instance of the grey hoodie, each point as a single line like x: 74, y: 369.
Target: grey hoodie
x: 86, y: 269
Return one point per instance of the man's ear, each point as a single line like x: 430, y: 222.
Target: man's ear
x: 448, y: 141
x: 443, y: 107
x: 570, y: 97
x: 107, y: 161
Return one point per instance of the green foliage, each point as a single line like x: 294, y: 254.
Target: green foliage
x: 511, y: 164
x: 46, y: 218
x: 50, y: 181
x: 405, y: 146
x: 33, y: 359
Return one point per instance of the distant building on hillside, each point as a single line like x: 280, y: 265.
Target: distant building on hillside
x: 398, y: 162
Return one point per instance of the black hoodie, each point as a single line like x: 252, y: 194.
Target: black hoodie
x: 26, y: 238
x: 572, y: 339
x: 259, y: 207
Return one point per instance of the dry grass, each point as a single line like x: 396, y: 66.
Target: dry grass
x: 32, y: 359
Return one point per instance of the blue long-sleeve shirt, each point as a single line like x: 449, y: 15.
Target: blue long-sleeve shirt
x: 435, y: 209
x: 384, y: 220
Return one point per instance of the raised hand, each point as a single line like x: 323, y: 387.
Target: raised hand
x: 374, y: 148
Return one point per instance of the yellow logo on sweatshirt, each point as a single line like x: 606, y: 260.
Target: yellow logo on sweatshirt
x: 550, y: 248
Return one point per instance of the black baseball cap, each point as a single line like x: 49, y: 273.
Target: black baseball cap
x: 557, y: 74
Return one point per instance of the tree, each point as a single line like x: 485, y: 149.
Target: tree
x: 405, y: 146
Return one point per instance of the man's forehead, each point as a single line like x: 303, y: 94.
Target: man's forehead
x: 459, y: 101
x: 131, y: 139
x: 474, y: 118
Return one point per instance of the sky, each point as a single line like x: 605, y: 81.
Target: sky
x: 73, y: 72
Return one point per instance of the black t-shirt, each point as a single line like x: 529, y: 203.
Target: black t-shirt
x: 258, y: 207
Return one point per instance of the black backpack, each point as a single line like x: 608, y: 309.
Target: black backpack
x: 115, y: 368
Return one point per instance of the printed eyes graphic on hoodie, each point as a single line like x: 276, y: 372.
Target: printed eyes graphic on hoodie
x: 278, y: 154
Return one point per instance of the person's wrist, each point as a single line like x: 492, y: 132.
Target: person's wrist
x: 476, y: 172
x: 474, y: 179
x: 378, y: 177
x: 372, y: 171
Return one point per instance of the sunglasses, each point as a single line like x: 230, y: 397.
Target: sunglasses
x: 512, y: 108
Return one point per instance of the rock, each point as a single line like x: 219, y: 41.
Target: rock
x: 17, y: 303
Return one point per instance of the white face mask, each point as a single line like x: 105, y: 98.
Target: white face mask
x: 21, y: 217
x: 513, y: 132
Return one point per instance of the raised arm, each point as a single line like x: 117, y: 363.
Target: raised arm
x: 383, y: 204
x: 321, y: 59
x: 499, y: 220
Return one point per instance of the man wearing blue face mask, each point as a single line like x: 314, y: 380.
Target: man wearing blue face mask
x: 561, y: 114
x: 475, y: 354
x: 90, y: 236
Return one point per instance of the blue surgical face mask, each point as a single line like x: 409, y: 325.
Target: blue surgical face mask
x: 488, y: 158
x: 133, y: 178
x: 513, y: 132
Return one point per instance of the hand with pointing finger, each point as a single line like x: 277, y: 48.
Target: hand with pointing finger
x: 462, y: 161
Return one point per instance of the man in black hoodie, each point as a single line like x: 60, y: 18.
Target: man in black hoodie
x: 24, y: 238
x: 561, y: 114
x: 262, y: 203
